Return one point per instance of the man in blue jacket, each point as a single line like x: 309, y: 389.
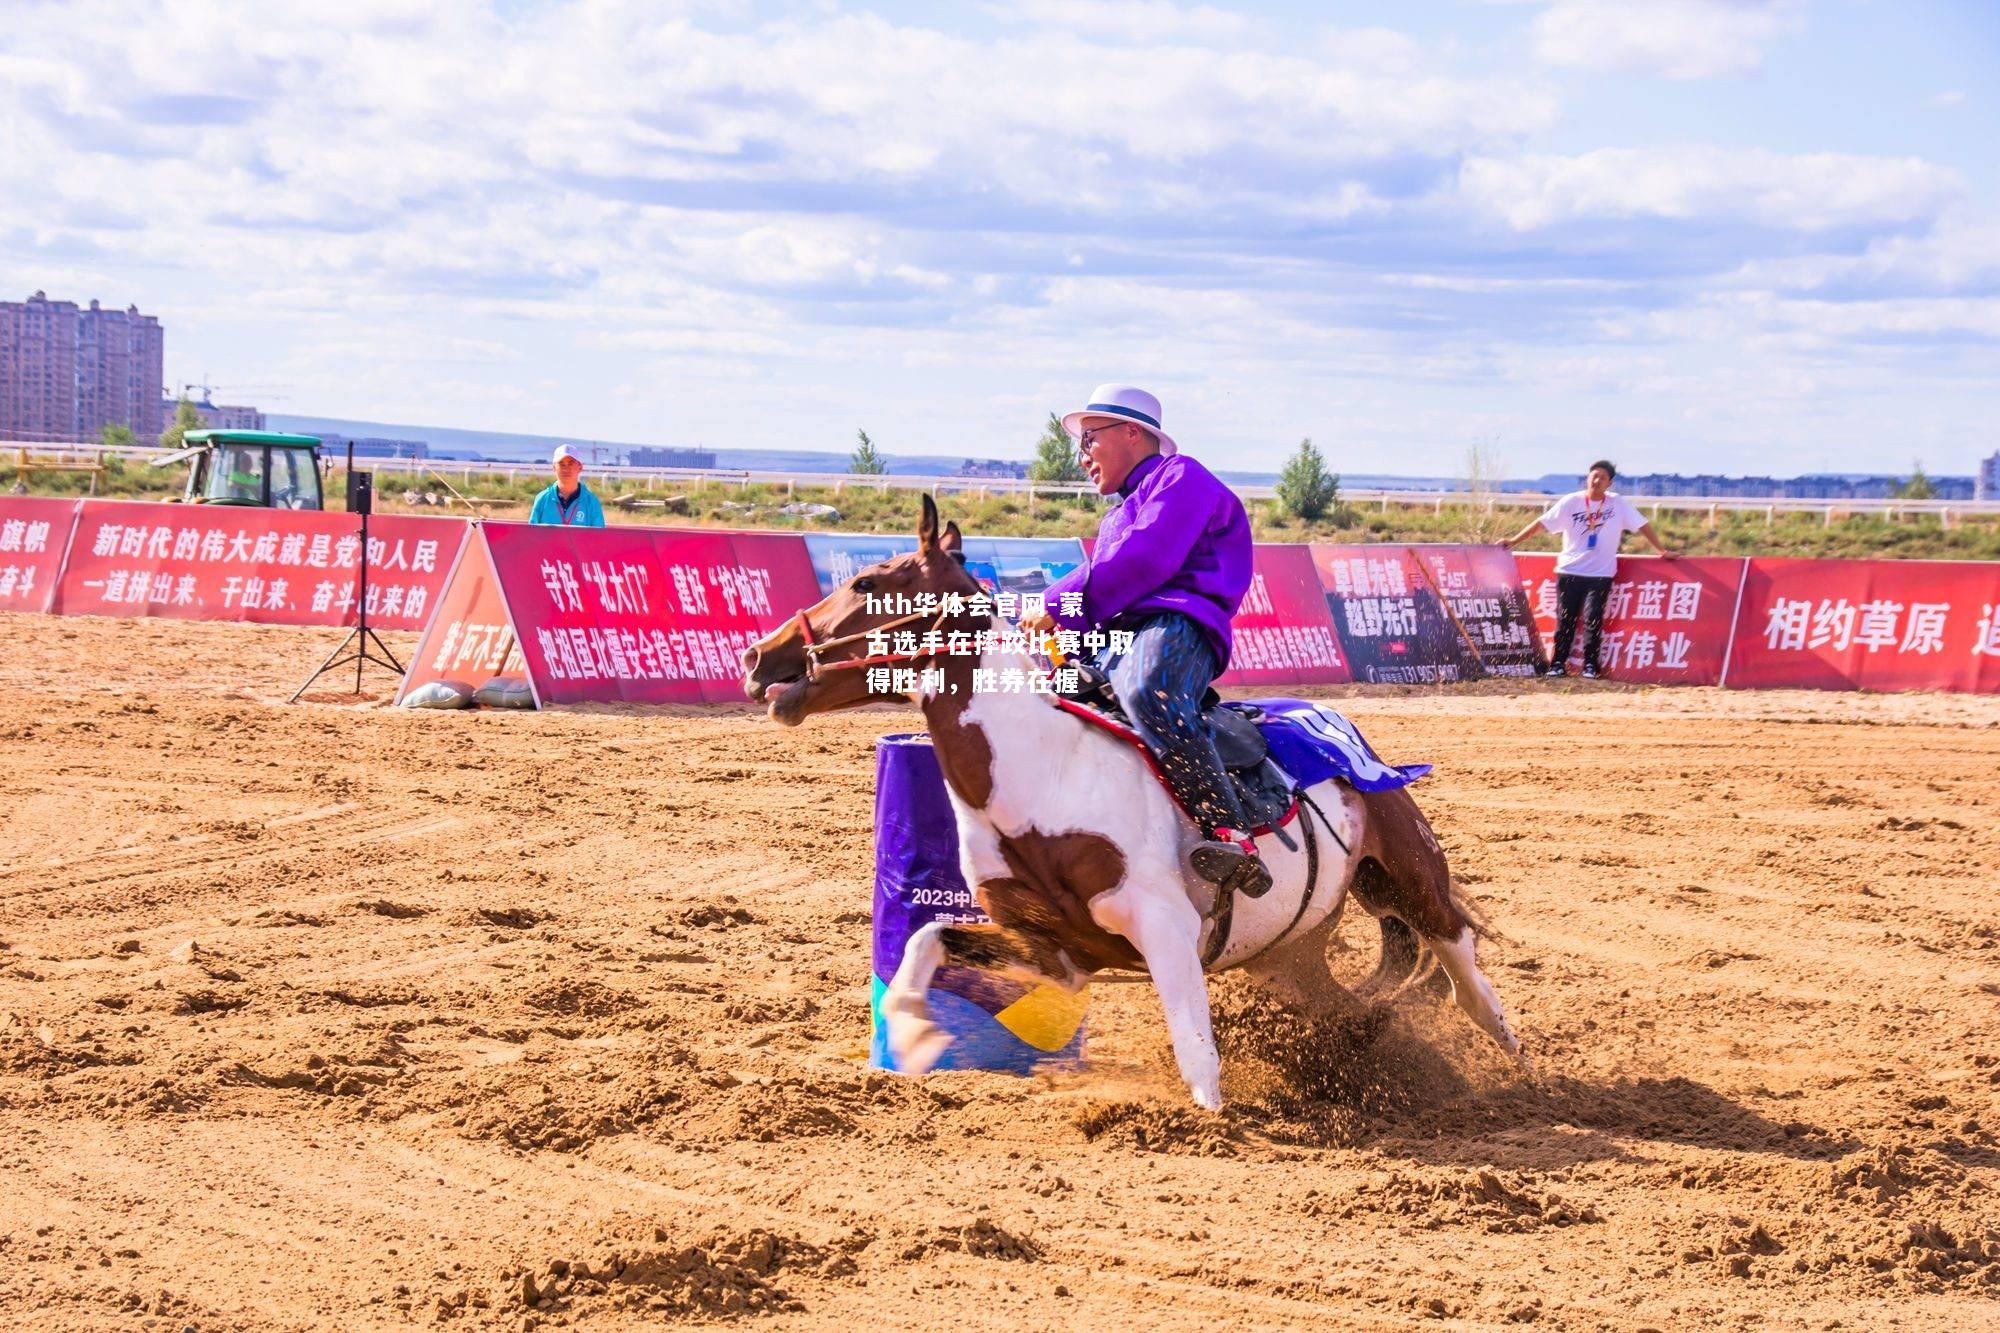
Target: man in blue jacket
x: 568, y: 502
x: 1171, y: 565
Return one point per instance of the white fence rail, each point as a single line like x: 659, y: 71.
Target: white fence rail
x: 15, y: 453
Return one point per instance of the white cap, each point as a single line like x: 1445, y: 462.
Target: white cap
x: 564, y: 451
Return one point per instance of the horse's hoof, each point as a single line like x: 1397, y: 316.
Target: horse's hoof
x: 920, y: 1048
x: 1208, y: 1099
x: 916, y: 1042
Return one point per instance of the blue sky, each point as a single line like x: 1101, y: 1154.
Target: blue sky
x: 1734, y: 235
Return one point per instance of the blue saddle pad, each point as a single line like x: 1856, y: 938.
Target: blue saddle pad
x: 1312, y: 743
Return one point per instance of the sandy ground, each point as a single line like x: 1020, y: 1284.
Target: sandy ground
x: 335, y: 1016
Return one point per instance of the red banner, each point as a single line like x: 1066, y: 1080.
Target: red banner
x: 1869, y: 625
x: 268, y: 566
x: 638, y: 615
x: 1282, y: 632
x: 1666, y: 622
x: 34, y: 534
x: 471, y: 636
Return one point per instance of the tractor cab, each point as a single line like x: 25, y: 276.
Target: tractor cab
x: 261, y: 468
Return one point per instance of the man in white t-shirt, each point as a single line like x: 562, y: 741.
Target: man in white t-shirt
x: 1592, y: 522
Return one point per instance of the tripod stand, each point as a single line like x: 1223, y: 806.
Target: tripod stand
x: 365, y: 644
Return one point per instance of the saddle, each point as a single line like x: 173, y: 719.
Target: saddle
x: 1273, y: 765
x: 1268, y: 796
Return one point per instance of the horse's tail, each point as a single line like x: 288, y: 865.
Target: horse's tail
x: 1404, y: 879
x: 1475, y: 915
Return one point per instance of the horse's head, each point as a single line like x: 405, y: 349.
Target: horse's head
x: 813, y: 663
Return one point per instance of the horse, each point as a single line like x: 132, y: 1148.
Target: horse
x: 1078, y: 853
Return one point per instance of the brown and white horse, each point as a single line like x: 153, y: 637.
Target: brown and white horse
x: 1077, y: 852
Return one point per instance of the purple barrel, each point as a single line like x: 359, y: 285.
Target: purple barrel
x: 994, y: 1022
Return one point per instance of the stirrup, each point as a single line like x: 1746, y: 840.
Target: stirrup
x: 1230, y: 865
x: 1093, y: 686
x: 1252, y: 878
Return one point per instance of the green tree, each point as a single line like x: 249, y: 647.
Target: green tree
x: 116, y: 435
x: 864, y: 459
x: 1918, y: 487
x: 1055, y: 455
x: 1305, y: 488
x: 185, y: 420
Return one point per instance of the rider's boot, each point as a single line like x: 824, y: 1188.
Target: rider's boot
x: 1229, y: 861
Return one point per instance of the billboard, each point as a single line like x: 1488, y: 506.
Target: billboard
x: 263, y: 566
x: 1868, y: 625
x: 1666, y: 622
x: 620, y: 614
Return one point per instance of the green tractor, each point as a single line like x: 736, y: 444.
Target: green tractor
x: 265, y: 469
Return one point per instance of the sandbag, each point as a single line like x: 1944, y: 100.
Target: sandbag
x: 505, y: 692
x: 440, y: 694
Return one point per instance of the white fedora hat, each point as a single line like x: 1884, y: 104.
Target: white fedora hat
x: 1127, y: 403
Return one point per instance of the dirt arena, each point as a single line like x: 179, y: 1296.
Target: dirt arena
x: 333, y: 1016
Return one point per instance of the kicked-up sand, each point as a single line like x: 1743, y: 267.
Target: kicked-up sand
x: 339, y: 1016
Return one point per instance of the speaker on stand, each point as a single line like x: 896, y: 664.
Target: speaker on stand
x: 362, y: 644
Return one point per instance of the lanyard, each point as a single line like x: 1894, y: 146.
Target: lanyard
x: 565, y: 510
x: 1593, y: 519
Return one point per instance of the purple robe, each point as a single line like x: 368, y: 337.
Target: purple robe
x: 1178, y: 541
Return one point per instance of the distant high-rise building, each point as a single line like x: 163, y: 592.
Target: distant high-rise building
x: 38, y: 342
x: 217, y: 416
x: 67, y: 372
x: 1989, y: 478
x: 118, y: 372
x: 653, y: 456
x: 372, y: 446
x: 1812, y: 486
x: 991, y: 467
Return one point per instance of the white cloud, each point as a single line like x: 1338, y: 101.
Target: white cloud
x: 1803, y: 191
x: 1677, y: 39
x: 1137, y: 20
x: 446, y: 146
x: 1961, y: 253
x: 630, y: 221
x: 1824, y: 329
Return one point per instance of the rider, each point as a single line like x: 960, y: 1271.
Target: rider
x: 1171, y: 565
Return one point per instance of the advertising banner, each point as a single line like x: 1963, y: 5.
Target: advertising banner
x: 839, y: 556
x: 1003, y: 564
x: 1424, y: 614
x: 1666, y: 622
x: 1868, y: 625
x: 1021, y: 565
x: 34, y: 534
x: 265, y: 566
x: 620, y: 614
x: 1283, y: 633
x: 470, y: 638
x: 1479, y: 587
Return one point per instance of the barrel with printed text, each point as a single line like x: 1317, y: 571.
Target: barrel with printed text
x: 995, y: 1023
